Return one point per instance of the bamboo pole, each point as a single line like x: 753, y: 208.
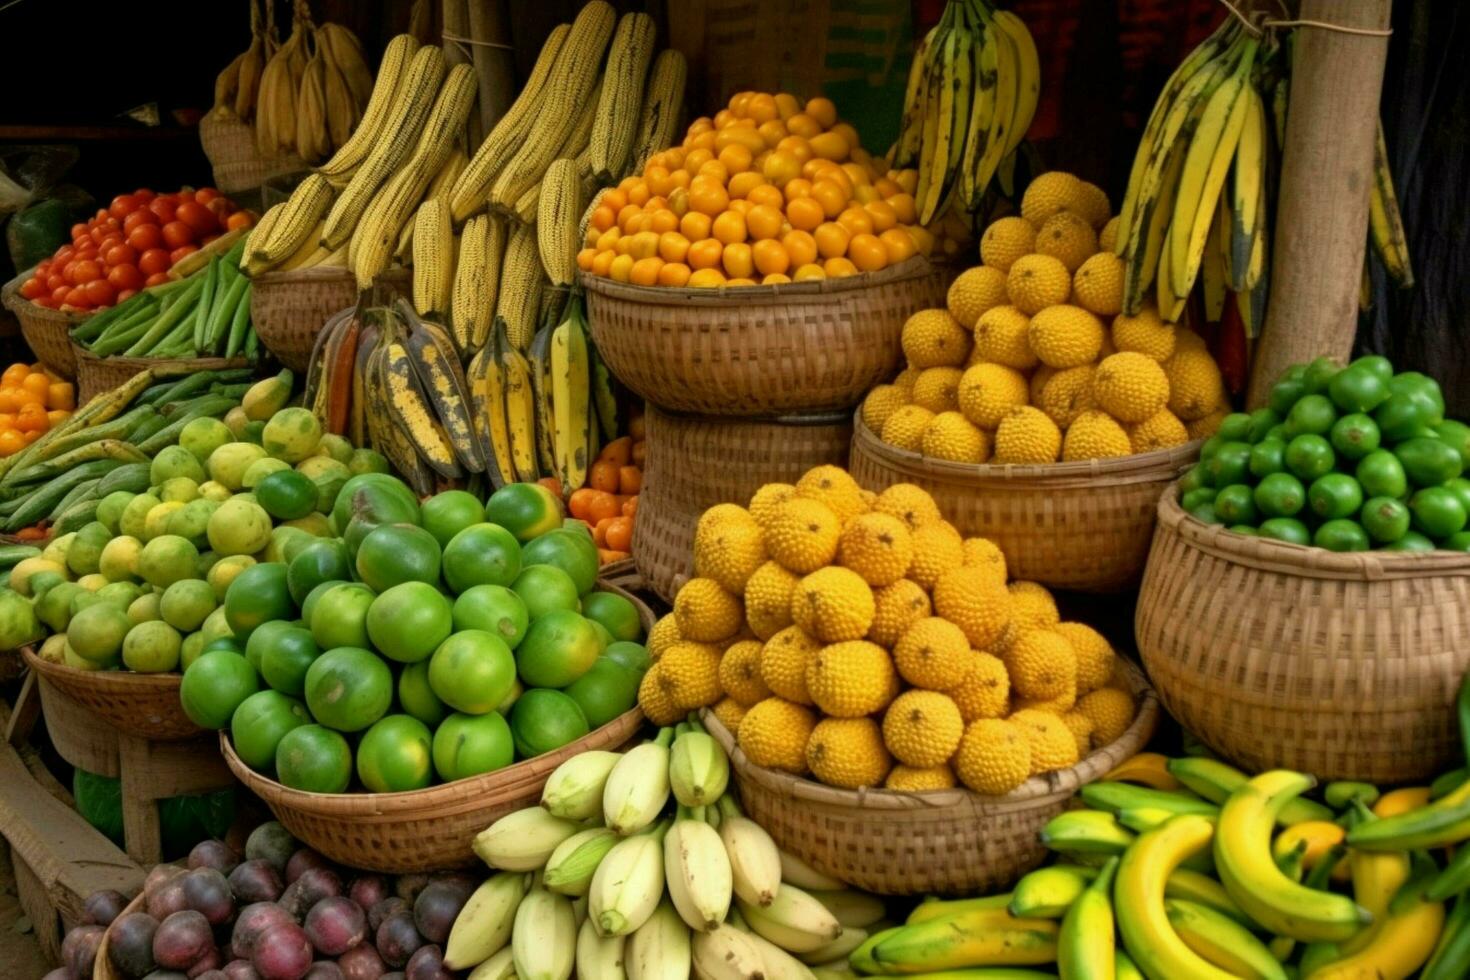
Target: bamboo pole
x: 1326, y: 171
x: 494, y: 59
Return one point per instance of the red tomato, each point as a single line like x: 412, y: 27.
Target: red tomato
x: 100, y: 292
x: 63, y: 255
x: 84, y: 271
x: 176, y: 234
x: 239, y: 219
x: 143, y: 195
x: 180, y: 252
x: 220, y: 207
x: 125, y: 277
x: 183, y: 195
x: 42, y: 268
x: 156, y: 278
x: 153, y: 261
x: 45, y: 301
x: 120, y: 254
x: 79, y: 229
x: 142, y: 216
x: 77, y: 296
x: 60, y: 293
x: 125, y: 294
x: 101, y: 213
x: 122, y: 206
x: 144, y: 237
x: 69, y: 273
x: 55, y: 281
x: 163, y: 209
x: 206, y: 194
x: 197, y: 217
x: 111, y: 241
x: 33, y: 288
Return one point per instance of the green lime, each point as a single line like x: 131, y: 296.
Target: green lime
x: 1309, y: 456
x: 54, y: 608
x: 318, y: 560
x: 1209, y: 447
x: 186, y: 604
x: 133, y: 520
x: 314, y: 759
x: 203, y: 436
x: 152, y: 648
x: 1280, y: 495
x: 395, y: 553
x: 110, y: 510
x: 1235, y: 427
x: 1195, y: 477
x: 1235, y: 505
x: 190, y: 650
x: 1459, y: 541
x: 408, y: 621
x: 472, y: 671
x: 526, y: 510
x: 1385, y: 519
x: 1341, y: 535
x: 494, y: 609
x: 1428, y: 462
x: 1375, y: 364
x: 1334, y: 496
x: 632, y: 656
x: 167, y: 559
x: 1263, y: 420
x: 604, y: 692
x: 214, y: 686
x: 1268, y: 456
x: 1318, y: 375
x: 543, y: 720
x: 1287, y: 529
x: 1355, y: 436
x: 1230, y: 464
x: 286, y: 494
x: 1285, y: 393
x: 620, y: 616
x: 395, y: 755
x: 96, y: 632
x: 376, y: 497
x: 1461, y: 488
x: 328, y: 476
x: 570, y: 550
x: 262, y: 638
x: 1357, y: 389
x: 259, y: 724
x: 1311, y: 415
x: 257, y: 595
x: 225, y: 643
x: 292, y: 434
x: 348, y: 688
x: 339, y: 618
x: 1382, y: 475
x: 1206, y: 513
x: 223, y: 572
x: 417, y: 697
x: 1413, y: 541
x: 257, y: 471
x: 287, y: 658
x: 559, y: 647
x: 1197, y: 496
x: 1437, y: 512
x: 446, y: 514
x: 173, y: 461
x: 544, y: 588
x: 481, y: 554
x: 1278, y: 431
x: 1420, y: 387
x: 468, y: 745
x: 1453, y: 433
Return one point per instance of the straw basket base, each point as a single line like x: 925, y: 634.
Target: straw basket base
x: 1277, y: 655
x: 98, y: 374
x: 47, y: 332
x: 288, y: 309
x: 229, y: 144
x: 141, y: 705
x: 695, y: 462
x: 1082, y: 526
x: 945, y: 842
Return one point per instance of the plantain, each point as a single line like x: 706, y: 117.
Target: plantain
x: 442, y: 380
x: 477, y: 374
x: 397, y: 440
x: 520, y: 406
x: 539, y: 357
x: 411, y: 409
x: 604, y: 394
x: 497, y: 426
x: 357, y: 421
x: 571, y: 408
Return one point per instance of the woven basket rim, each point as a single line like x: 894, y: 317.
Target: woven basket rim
x: 183, y: 364
x: 1043, y: 788
x: 1119, y: 470
x: 104, y: 681
x: 810, y: 419
x: 1303, y: 561
x: 809, y: 291
x: 16, y: 303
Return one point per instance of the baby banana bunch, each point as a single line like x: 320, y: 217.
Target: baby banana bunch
x: 971, y: 94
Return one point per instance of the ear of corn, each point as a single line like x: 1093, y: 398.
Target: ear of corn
x: 576, y: 146
x: 663, y: 102
x: 556, y: 222
x: 391, y: 70
x: 438, y: 187
x: 519, y: 291
x: 300, y: 213
x: 616, y: 125
x: 467, y: 297
x: 433, y: 258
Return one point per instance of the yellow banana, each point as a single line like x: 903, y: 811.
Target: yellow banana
x: 985, y: 937
x: 1028, y: 83
x: 1146, y: 768
x: 935, y: 909
x: 794, y: 920
x: 1248, y: 184
x: 1398, y: 947
x: 1385, y: 223
x: 1047, y: 893
x: 983, y: 108
x: 1214, y: 266
x: 1006, y: 87
x: 1223, y: 941
x: 1086, y: 948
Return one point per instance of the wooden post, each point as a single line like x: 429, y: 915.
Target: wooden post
x: 1326, y: 171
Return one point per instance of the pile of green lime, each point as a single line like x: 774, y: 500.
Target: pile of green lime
x: 1345, y: 458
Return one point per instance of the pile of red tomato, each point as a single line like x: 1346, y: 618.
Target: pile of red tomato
x: 131, y: 244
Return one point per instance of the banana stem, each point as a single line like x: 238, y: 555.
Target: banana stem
x: 665, y: 737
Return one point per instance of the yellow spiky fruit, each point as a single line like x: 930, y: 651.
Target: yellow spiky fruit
x: 904, y: 380
x: 950, y: 436
x: 833, y: 604
x: 730, y: 713
x: 1039, y: 379
x: 1091, y: 202
x: 896, y: 607
x: 905, y: 428
x: 1107, y: 239
x: 985, y: 554
x: 937, y: 549
x: 986, y: 690
x: 907, y: 779
x: 1026, y: 435
x: 1081, y: 728
x: 784, y: 660
x: 1145, y: 333
x: 1130, y: 386
x: 768, y: 599
x: 877, y: 547
x: 1005, y: 240
x: 848, y: 753
x: 976, y: 291
x: 934, y: 338
x: 802, y: 534
x: 740, y: 673
x: 1041, y: 664
x: 655, y: 701
x: 774, y: 734
x: 1067, y: 395
x: 728, y: 552
x: 1065, y: 336
x: 1001, y: 338
x: 851, y: 679
x: 1059, y: 705
x: 1037, y: 281
x: 1032, y: 606
x: 994, y: 756
x: 665, y: 633
x: 1095, y: 656
x: 988, y: 392
x: 938, y: 389
x: 1051, y: 742
x: 1111, y: 712
x: 1095, y: 435
x: 1195, y: 385
x: 723, y: 514
x: 706, y: 613
x: 766, y: 499
x: 910, y: 504
x: 835, y: 487
x: 690, y: 675
x: 922, y: 728
x: 880, y: 403
x: 1068, y: 238
x: 976, y: 602
x: 1159, y: 431
x: 1049, y: 193
x: 1186, y: 339
x: 1203, y: 428
x: 933, y: 654
x: 1097, y: 285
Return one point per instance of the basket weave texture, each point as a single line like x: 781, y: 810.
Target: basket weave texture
x: 1084, y: 526
x: 766, y: 350
x: 1280, y: 655
x: 944, y: 842
x: 288, y: 309
x: 695, y: 462
x: 98, y: 374
x: 426, y: 829
x: 145, y: 705
x: 238, y: 166
x: 47, y: 331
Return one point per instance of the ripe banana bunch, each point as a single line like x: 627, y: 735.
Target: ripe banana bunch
x: 235, y: 87
x: 971, y: 95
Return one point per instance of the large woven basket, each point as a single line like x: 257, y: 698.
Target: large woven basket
x: 695, y: 462
x: 145, y: 705
x: 945, y: 842
x: 238, y: 166
x: 1084, y: 526
x: 47, y: 331
x: 1281, y: 655
x: 763, y: 350
x: 288, y: 309
x: 98, y: 374
x: 426, y: 829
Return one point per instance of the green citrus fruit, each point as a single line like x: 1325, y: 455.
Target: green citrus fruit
x: 96, y: 632
x: 186, y: 604
x: 544, y: 720
x: 228, y: 463
x: 571, y: 551
x: 203, y: 436
x: 417, y: 697
x: 446, y: 514
x: 632, y: 656
x: 239, y: 527
x: 190, y: 649
x: 262, y: 638
x: 119, y: 558
x: 1382, y: 475
x: 468, y: 745
x: 214, y: 686
x: 179, y: 489
x: 156, y: 523
x: 558, y: 648
x: 292, y: 434
x: 314, y: 759
x: 173, y: 461
x: 616, y: 613
x: 328, y: 476
x: 348, y: 688
x: 286, y: 659
x: 320, y: 560
x: 494, y: 609
x: 259, y: 724
x: 192, y: 521
x: 257, y: 595
x: 110, y: 510
x: 395, y: 755
x: 367, y: 461
x: 144, y: 609
x: 408, y: 621
x: 286, y: 494
x: 223, y: 572
x: 396, y: 553
x: 339, y: 617
x: 604, y: 692
x: 1385, y: 519
x: 544, y: 589
x: 481, y: 554
x: 368, y: 493
x: 152, y: 648
x: 526, y: 510
x: 472, y: 671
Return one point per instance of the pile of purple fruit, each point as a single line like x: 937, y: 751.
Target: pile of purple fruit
x: 282, y: 913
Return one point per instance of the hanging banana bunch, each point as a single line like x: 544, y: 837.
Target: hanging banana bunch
x: 972, y: 91
x: 235, y: 87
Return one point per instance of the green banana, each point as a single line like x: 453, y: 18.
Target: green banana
x: 1115, y: 797
x: 1223, y: 941
x: 1086, y: 949
x: 1444, y: 821
x: 1047, y: 893
x: 1215, y: 781
x: 1086, y: 832
x: 1451, y: 957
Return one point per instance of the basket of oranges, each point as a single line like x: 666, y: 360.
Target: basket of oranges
x: 32, y: 399
x: 764, y: 266
x: 47, y: 331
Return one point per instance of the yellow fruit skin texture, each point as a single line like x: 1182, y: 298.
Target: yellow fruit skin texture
x: 835, y: 487
x: 1091, y: 202
x: 1195, y: 385
x: 1081, y: 728
x: 707, y: 613
x: 974, y: 601
x: 690, y: 675
x: 1067, y: 395
x: 977, y: 290
x: 728, y: 553
x: 937, y: 549
x: 730, y: 713
x: 933, y: 654
x: 1038, y: 281
x: 922, y: 728
x: 802, y: 535
x: 1094, y: 435
x: 1097, y: 285
x: 1005, y: 240
x: 1065, y: 336
x: 774, y: 734
x: 986, y: 690
x: 907, y: 779
x: 1051, y: 192
x: 905, y: 427
x: 1067, y: 238
x: 1130, y: 386
x: 988, y: 392
x: 740, y: 673
x: 896, y: 608
x: 1041, y: 664
x: 1001, y: 338
x: 994, y: 757
x: 909, y: 503
x: 654, y: 700
x: 852, y: 679
x: 768, y: 599
x: 833, y: 604
x: 950, y: 436
x: 1203, y: 428
x: 876, y: 546
x: 1110, y: 711
x: 1159, y: 431
x: 664, y: 634
x: 934, y: 338
x: 881, y: 403
x: 1052, y: 744
x: 1107, y: 239
x: 784, y: 660
x: 848, y: 753
x: 1147, y: 333
x: 763, y: 502
x: 1095, y: 656
x: 938, y: 389
x: 1032, y: 606
x: 985, y: 554
x: 1026, y: 435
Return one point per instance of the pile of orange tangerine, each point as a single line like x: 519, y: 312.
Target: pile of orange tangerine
x: 32, y: 400
x: 768, y: 191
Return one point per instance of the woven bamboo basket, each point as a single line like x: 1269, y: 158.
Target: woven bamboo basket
x: 238, y: 166
x: 944, y: 842
x: 288, y: 309
x: 1084, y: 526
x: 47, y: 332
x: 1281, y: 655
x: 426, y: 829
x: 695, y: 462
x: 98, y: 374
x: 145, y: 705
x: 763, y: 350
